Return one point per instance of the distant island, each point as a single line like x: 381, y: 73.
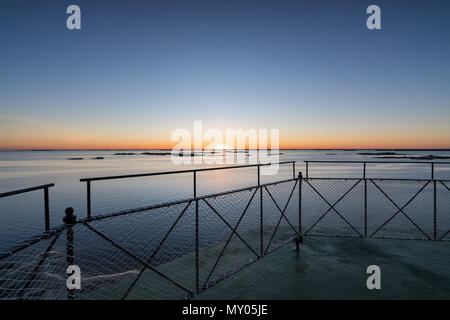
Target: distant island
x: 428, y: 157
x: 379, y: 153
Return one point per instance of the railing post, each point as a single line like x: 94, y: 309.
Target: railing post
x: 365, y: 207
x: 364, y: 171
x: 307, y: 165
x: 293, y: 170
x: 69, y: 220
x: 88, y: 191
x: 261, y: 227
x: 259, y: 175
x: 434, y: 211
x: 300, y: 237
x: 197, y: 265
x: 47, y: 210
x: 195, y: 183
x: 432, y: 171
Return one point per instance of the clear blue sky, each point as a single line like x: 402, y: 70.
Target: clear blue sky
x: 139, y: 69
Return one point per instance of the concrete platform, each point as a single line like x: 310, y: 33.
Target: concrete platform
x: 335, y: 268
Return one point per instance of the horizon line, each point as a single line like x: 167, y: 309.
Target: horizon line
x: 168, y: 149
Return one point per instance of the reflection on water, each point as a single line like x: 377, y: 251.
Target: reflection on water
x: 22, y: 215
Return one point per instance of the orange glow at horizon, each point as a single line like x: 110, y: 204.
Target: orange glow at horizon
x: 45, y: 135
x: 354, y: 142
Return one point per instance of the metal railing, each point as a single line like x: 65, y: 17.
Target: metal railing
x: 45, y: 187
x: 170, y: 250
x: 193, y: 171
x: 361, y: 208
x: 364, y: 163
x: 179, y: 249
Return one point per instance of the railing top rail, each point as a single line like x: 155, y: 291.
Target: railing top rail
x: 375, y: 179
x: 10, y: 193
x: 180, y: 201
x: 378, y: 162
x: 179, y: 171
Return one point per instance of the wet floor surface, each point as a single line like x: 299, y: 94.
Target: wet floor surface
x: 335, y: 268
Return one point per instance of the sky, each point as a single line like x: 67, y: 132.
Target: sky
x: 138, y: 70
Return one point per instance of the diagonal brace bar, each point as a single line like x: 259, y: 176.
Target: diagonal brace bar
x: 40, y: 263
x: 156, y: 251
x: 332, y: 207
x: 231, y: 228
x: 281, y: 216
x: 285, y: 207
x: 231, y: 236
x: 135, y: 257
x: 400, y: 209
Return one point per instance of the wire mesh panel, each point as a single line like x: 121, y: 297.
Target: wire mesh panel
x: 169, y: 251
x: 156, y: 246
x: 35, y: 271
x: 333, y: 207
x: 178, y: 249
x: 443, y: 210
x: 400, y: 209
x: 281, y: 218
x: 376, y: 208
x: 229, y: 233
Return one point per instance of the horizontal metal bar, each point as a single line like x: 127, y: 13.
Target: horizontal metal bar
x: 134, y: 210
x: 356, y: 237
x: 171, y: 203
x: 11, y: 193
x: 213, y: 195
x: 318, y: 178
x: 180, y: 171
x: 376, y: 162
x: 332, y: 235
x: 377, y: 179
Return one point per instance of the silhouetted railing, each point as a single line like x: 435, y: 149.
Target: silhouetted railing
x: 193, y: 171
x: 165, y: 251
x: 45, y: 187
x: 415, y: 209
x: 364, y: 163
x: 179, y: 249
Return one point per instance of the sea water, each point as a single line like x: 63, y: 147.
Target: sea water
x: 23, y: 215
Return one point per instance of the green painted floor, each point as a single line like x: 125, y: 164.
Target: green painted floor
x: 335, y: 268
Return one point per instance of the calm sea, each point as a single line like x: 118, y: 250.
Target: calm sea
x: 22, y: 215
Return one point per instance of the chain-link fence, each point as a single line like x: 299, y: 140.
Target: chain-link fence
x: 169, y: 251
x: 376, y: 208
